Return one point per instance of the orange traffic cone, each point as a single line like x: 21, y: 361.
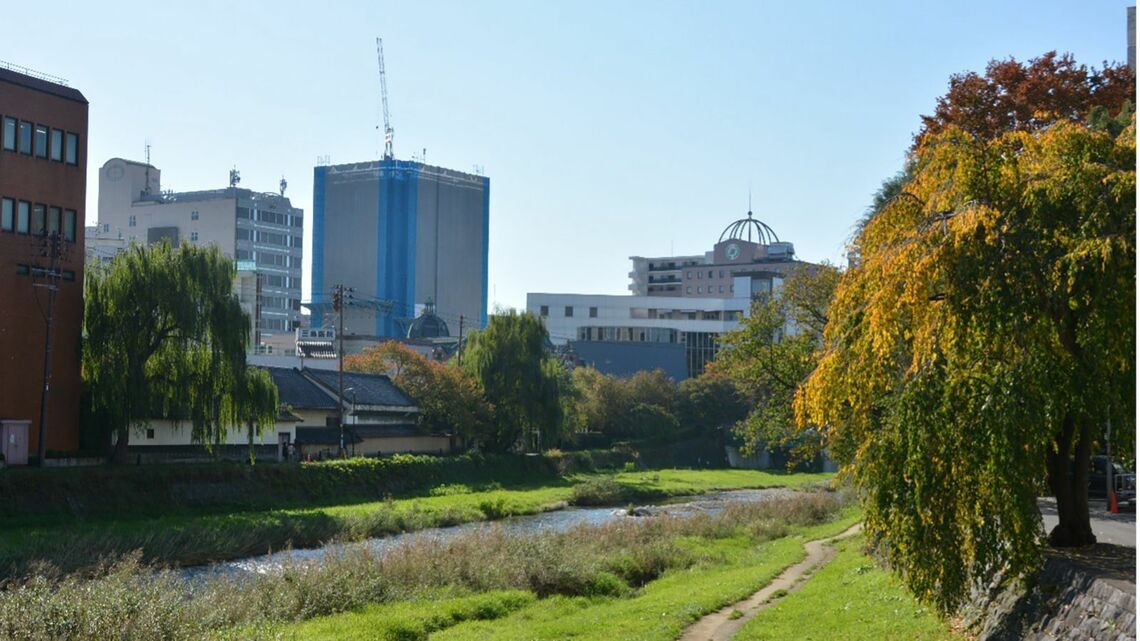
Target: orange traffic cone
x: 1113, y: 506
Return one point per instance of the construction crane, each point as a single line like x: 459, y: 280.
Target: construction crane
x: 384, y: 101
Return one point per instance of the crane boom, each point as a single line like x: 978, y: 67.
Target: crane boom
x: 384, y: 100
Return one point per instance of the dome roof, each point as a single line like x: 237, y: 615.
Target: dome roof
x: 427, y: 324
x: 745, y: 228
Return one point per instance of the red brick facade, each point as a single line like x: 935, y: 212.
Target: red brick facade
x: 47, y: 184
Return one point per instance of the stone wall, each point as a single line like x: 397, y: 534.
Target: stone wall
x: 1070, y: 598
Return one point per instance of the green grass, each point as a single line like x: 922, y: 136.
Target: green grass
x: 406, y: 620
x: 851, y: 598
x: 733, y: 568
x: 188, y: 539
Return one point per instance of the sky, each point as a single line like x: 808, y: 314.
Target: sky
x: 608, y: 129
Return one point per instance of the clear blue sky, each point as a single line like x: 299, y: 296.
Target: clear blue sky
x: 608, y: 129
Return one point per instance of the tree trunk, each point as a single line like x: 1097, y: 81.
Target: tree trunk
x: 119, y: 455
x: 1069, y: 481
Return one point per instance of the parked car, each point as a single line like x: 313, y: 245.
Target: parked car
x: 1123, y: 481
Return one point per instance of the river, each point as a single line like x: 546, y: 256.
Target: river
x: 555, y: 521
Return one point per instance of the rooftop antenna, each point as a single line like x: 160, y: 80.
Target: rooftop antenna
x: 384, y: 101
x: 235, y: 177
x: 146, y: 182
x: 283, y: 185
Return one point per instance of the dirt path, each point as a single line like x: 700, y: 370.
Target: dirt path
x: 720, y: 626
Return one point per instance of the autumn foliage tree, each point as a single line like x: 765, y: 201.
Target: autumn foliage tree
x: 1012, y: 96
x: 985, y: 339
x: 449, y: 398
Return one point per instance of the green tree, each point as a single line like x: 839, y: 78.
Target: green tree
x: 774, y: 352
x: 449, y: 398
x: 165, y: 336
x: 519, y: 378
x: 976, y: 353
x: 640, y: 405
x: 710, y: 401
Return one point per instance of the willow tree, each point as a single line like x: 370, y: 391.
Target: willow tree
x: 981, y: 346
x: 164, y: 336
x: 519, y: 378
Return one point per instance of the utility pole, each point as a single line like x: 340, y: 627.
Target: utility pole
x: 51, y: 248
x: 341, y: 296
x: 460, y: 340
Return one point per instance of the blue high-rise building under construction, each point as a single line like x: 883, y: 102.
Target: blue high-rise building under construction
x: 402, y: 234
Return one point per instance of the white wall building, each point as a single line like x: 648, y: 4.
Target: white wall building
x: 262, y: 230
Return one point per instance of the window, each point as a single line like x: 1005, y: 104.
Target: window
x: 68, y: 275
x: 700, y: 275
x: 243, y: 254
x: 71, y: 154
x: 131, y: 221
x: 106, y: 228
x: 722, y: 273
x: 243, y: 234
x: 700, y: 290
x: 69, y: 225
x: 544, y: 310
x: 41, y: 141
x: 8, y: 214
x: 9, y: 133
x: 296, y: 241
x: 721, y: 290
x: 569, y: 311
x: 731, y: 289
x: 150, y: 432
x: 688, y: 274
x: 23, y: 217
x: 298, y: 221
x: 22, y: 270
x: 243, y: 212
x: 710, y: 273
x: 39, y: 220
x: 57, y: 145
x: 593, y: 312
x: 193, y: 236
x: 26, y: 138
x: 55, y: 219
x: 688, y: 290
x: 194, y: 215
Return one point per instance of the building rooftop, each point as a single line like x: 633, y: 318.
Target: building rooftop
x: 369, y: 389
x: 298, y: 392
x: 30, y: 79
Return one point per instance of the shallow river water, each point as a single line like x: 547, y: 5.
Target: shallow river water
x: 556, y: 521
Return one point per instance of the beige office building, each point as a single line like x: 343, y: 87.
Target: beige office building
x: 261, y: 231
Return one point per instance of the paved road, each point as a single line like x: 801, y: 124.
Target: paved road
x: 1119, y: 529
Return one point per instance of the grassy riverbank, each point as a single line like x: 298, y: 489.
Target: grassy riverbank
x: 641, y: 578
x: 851, y: 598
x: 191, y: 539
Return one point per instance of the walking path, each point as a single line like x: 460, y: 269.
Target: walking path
x: 721, y: 626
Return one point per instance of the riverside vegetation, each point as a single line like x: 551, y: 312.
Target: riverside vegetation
x: 200, y: 514
x: 649, y: 577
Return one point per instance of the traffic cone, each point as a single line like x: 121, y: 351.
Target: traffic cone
x: 1113, y: 506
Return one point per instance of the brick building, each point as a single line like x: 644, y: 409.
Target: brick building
x: 43, y: 168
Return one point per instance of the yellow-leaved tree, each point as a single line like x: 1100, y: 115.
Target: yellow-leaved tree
x: 980, y: 346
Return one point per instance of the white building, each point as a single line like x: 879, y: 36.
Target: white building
x: 262, y: 230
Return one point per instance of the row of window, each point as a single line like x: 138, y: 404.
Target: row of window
x: 274, y: 260
x: 280, y: 302
x: 26, y: 270
x: 701, y: 289
x: 41, y: 141
x: 265, y: 216
x: 701, y: 274
x: 545, y: 311
x: 274, y: 280
x: 36, y: 219
x: 268, y: 238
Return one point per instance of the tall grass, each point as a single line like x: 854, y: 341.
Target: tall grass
x: 129, y: 601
